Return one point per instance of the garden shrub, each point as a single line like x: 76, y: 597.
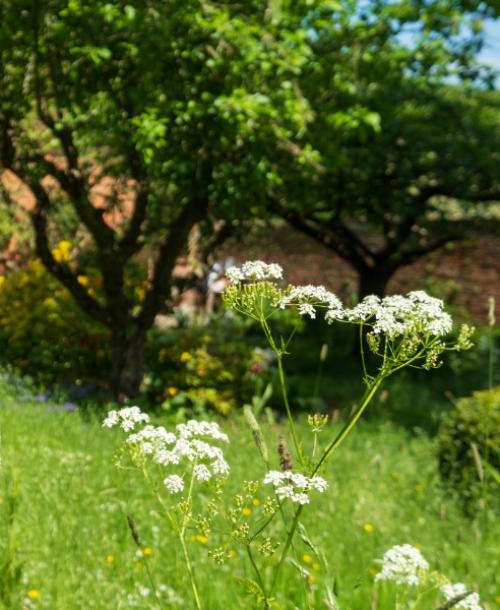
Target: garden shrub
x: 469, y: 447
x: 214, y: 367
x: 44, y: 334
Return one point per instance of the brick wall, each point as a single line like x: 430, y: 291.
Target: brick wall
x: 464, y: 274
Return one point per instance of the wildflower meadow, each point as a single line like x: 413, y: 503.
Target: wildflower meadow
x: 136, y: 510
x: 249, y: 288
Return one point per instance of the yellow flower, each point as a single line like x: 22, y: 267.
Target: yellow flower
x: 316, y: 566
x: 33, y: 594
x: 147, y: 551
x: 62, y: 252
x: 2, y: 279
x: 419, y: 487
x: 140, y: 293
x: 50, y: 302
x: 64, y: 245
x: 246, y: 511
x: 231, y: 553
x: 83, y: 280
x: 255, y: 501
x: 171, y: 391
x: 201, y: 539
x: 307, y: 558
x: 313, y: 578
x: 110, y: 558
x: 185, y: 356
x: 369, y: 528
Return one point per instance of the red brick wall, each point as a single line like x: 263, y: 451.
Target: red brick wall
x: 464, y: 274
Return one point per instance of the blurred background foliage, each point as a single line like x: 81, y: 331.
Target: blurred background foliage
x: 137, y: 138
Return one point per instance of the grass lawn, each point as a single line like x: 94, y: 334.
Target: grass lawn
x: 66, y: 545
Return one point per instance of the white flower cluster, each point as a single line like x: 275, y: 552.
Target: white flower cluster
x: 309, y: 297
x: 152, y: 439
x: 393, y: 315
x: 397, y: 315
x: 254, y: 271
x: 402, y: 564
x: 471, y: 602
x: 190, y: 442
x: 127, y: 418
x: 294, y: 485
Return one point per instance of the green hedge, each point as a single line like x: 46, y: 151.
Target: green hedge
x: 469, y: 449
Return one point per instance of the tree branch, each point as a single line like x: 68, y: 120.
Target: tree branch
x: 73, y: 183
x: 167, y: 256
x: 129, y: 244
x: 404, y: 258
x: 332, y: 239
x: 59, y: 271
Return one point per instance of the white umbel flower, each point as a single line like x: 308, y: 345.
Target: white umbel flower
x: 202, y: 473
x: 396, y: 315
x: 152, y: 438
x: 174, y: 484
x: 307, y: 298
x: 294, y: 485
x: 402, y: 564
x: 470, y: 602
x: 191, y: 447
x: 201, y: 428
x: 127, y: 418
x: 254, y: 271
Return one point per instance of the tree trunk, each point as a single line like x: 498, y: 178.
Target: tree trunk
x: 373, y: 280
x: 127, y: 368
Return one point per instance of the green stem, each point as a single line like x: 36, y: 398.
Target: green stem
x: 190, y: 570
x: 181, y: 532
x: 291, y: 422
x: 491, y: 357
x: 288, y: 543
x: 362, y: 350
x: 284, y: 393
x: 328, y: 451
x: 350, y: 424
x: 259, y: 577
x: 421, y: 595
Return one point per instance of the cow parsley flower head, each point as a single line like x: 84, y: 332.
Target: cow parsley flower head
x: 469, y: 601
x: 192, y: 443
x: 307, y: 298
x: 127, y: 418
x: 202, y: 473
x: 191, y: 448
x: 151, y: 439
x: 254, y: 271
x: 402, y: 564
x: 195, y: 428
x: 294, y: 485
x: 396, y: 314
x: 364, y: 310
x: 174, y: 484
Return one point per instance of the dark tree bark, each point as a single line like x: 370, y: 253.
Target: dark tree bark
x: 373, y: 280
x: 115, y: 311
x: 127, y: 366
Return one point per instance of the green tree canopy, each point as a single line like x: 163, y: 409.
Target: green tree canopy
x: 186, y: 106
x: 404, y: 120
